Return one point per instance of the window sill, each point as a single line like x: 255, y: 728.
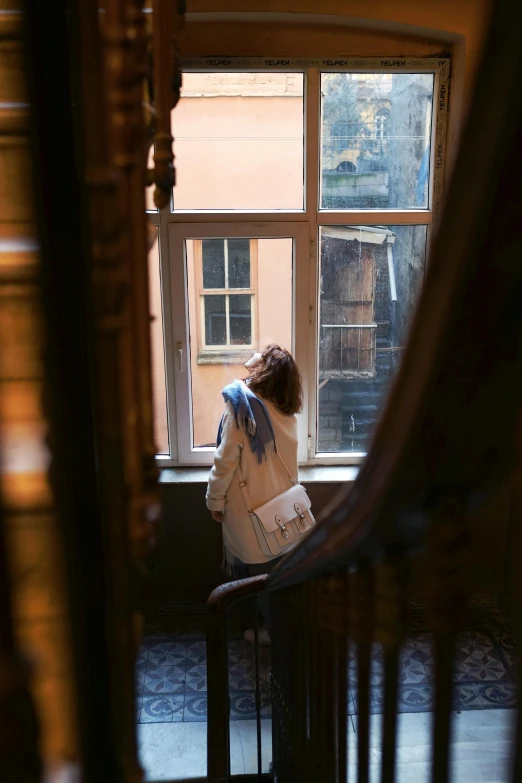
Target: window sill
x: 239, y: 356
x: 308, y: 474
x: 327, y: 474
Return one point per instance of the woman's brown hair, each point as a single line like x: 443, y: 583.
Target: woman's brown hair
x: 276, y: 378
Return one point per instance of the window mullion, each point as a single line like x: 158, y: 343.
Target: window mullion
x: 312, y: 141
x: 253, y: 335
x: 374, y: 218
x: 227, y: 301
x: 312, y: 168
x: 438, y: 146
x: 227, y: 317
x: 225, y: 242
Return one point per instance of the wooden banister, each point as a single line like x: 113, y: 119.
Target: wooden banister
x: 218, y: 743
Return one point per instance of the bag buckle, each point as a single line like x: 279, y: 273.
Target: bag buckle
x: 242, y: 483
x: 300, y: 513
x: 281, y: 524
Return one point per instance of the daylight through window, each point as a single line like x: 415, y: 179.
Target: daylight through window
x: 306, y: 195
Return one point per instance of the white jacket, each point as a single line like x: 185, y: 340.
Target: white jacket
x: 265, y: 480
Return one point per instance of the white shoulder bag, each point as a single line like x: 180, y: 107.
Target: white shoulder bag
x: 280, y: 523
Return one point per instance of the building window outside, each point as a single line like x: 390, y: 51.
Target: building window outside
x: 381, y: 124
x: 227, y: 315
x: 338, y: 265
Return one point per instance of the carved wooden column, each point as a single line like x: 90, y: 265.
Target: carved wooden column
x: 124, y: 49
x: 115, y: 392
x: 35, y: 563
x: 126, y: 69
x: 19, y: 735
x: 168, y: 22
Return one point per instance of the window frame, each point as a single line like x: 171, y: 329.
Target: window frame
x: 177, y: 334
x: 305, y: 222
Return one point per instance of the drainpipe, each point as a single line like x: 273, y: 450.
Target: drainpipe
x: 391, y: 270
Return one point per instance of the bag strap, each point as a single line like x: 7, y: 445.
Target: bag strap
x: 243, y: 485
x: 244, y: 490
x: 292, y: 479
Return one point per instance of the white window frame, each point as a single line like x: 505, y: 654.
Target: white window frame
x: 177, y: 332
x: 304, y: 225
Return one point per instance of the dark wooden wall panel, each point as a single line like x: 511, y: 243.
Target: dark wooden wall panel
x: 187, y: 562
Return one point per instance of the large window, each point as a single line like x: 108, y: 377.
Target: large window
x: 306, y: 197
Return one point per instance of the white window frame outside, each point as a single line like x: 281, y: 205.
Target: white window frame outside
x: 381, y: 118
x: 228, y: 346
x: 227, y: 292
x: 303, y: 225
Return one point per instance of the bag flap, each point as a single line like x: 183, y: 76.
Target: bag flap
x: 284, y: 507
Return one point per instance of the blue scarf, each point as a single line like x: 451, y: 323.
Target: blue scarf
x: 251, y: 417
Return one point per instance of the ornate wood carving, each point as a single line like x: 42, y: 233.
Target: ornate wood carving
x: 31, y: 565
x: 113, y: 153
x: 168, y: 21
x: 19, y: 731
x: 114, y: 54
x: 125, y: 46
x: 126, y: 42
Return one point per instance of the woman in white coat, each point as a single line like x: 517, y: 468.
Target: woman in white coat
x: 259, y: 419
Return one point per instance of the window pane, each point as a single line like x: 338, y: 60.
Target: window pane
x: 239, y: 141
x: 240, y: 319
x: 213, y: 252
x: 370, y: 279
x: 215, y: 320
x: 258, y: 318
x: 238, y: 263
x: 161, y: 435
x: 376, y: 134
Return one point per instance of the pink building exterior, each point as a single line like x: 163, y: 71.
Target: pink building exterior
x: 239, y: 145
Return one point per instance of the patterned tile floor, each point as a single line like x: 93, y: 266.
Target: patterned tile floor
x: 172, y: 687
